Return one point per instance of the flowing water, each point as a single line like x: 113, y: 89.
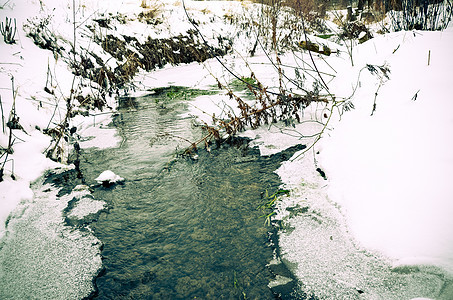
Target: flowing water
x: 182, y: 228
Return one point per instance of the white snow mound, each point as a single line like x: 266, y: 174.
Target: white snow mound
x: 109, y: 177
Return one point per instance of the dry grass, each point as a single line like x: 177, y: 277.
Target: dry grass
x: 151, y: 10
x: 144, y: 4
x: 309, y: 9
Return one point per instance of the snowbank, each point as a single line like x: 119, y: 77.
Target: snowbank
x: 45, y: 258
x: 391, y: 172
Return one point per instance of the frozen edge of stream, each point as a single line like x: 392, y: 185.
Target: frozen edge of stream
x: 49, y: 250
x: 315, y: 242
x: 323, y: 255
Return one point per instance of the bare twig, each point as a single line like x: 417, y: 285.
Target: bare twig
x: 13, y: 123
x: 375, y: 97
x: 319, y: 135
x: 217, y: 57
x: 3, y: 5
x: 60, y: 130
x: 17, y: 64
x: 311, y: 56
x: 3, y: 116
x: 415, y: 96
x: 269, y: 106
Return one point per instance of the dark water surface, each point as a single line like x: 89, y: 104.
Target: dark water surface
x: 182, y: 228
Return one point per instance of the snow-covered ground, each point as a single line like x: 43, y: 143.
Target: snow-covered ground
x: 391, y: 172
x: 385, y: 207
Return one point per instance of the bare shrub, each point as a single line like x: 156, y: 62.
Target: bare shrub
x: 8, y: 31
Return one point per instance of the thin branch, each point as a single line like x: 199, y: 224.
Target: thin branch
x: 375, y: 97
x: 319, y: 135
x: 3, y: 5
x: 17, y: 64
x: 311, y: 56
x: 3, y: 116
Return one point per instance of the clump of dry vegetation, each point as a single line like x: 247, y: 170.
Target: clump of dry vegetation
x: 151, y: 12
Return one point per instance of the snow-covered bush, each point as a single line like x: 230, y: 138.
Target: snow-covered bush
x: 37, y: 29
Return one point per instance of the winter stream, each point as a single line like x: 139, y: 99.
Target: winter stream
x: 177, y: 228
x: 181, y: 228
x: 184, y: 227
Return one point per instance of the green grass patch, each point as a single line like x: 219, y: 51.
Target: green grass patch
x: 270, y: 201
x: 241, y: 85
x: 325, y: 36
x: 178, y: 92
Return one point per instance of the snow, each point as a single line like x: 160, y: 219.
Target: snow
x: 99, y: 135
x: 387, y: 202
x: 85, y: 204
x: 279, y: 280
x: 109, y: 177
x: 12, y: 193
x: 42, y: 257
x: 391, y: 172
